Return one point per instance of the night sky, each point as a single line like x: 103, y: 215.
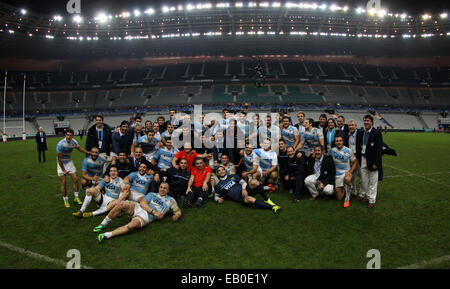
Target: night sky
x: 92, y: 7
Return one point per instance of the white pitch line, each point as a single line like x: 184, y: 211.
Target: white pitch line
x: 37, y: 256
x: 426, y: 263
x: 417, y: 175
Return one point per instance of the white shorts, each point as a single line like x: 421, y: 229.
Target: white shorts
x: 339, y: 181
x: 70, y: 168
x: 106, y: 200
x: 135, y: 196
x: 142, y: 214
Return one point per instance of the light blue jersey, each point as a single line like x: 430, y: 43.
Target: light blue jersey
x: 148, y: 147
x: 65, y: 149
x: 244, y: 127
x: 249, y: 161
x: 164, y: 157
x: 165, y: 135
x: 139, y: 183
x: 265, y: 159
x: 113, y: 188
x: 311, y: 139
x: 288, y: 135
x: 93, y: 168
x: 342, y: 159
x: 160, y: 204
x: 265, y: 132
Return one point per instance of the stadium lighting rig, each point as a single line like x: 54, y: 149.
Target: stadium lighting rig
x: 127, y: 21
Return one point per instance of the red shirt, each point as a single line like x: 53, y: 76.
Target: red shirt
x: 200, y: 176
x: 190, y: 158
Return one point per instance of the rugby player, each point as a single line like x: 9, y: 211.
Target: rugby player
x: 148, y: 209
x: 248, y: 159
x: 92, y: 168
x: 345, y: 163
x: 65, y: 166
x: 310, y: 138
x: 115, y: 192
x: 139, y: 183
x: 289, y: 133
x: 267, y: 161
x: 233, y: 187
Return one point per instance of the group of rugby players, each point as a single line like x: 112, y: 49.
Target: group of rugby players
x: 138, y: 170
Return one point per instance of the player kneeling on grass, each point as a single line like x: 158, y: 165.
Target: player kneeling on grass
x: 234, y: 188
x: 115, y: 192
x: 92, y: 169
x: 345, y: 163
x: 150, y: 208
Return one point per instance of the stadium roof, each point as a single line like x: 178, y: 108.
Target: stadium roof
x: 255, y: 23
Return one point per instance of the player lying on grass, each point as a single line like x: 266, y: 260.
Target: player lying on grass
x: 115, y: 192
x: 150, y: 208
x: 234, y: 188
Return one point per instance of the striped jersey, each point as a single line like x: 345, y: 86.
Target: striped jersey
x: 288, y: 135
x: 165, y: 135
x: 311, y: 139
x: 113, y: 188
x: 164, y: 157
x: 65, y: 149
x: 139, y: 183
x: 342, y: 159
x: 249, y: 161
x: 265, y: 132
x: 148, y: 147
x: 265, y: 159
x: 93, y: 168
x: 160, y: 204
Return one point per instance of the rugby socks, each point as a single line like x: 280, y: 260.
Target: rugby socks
x: 262, y: 205
x: 108, y: 235
x: 66, y: 199
x: 348, y: 191
x: 105, y: 221
x: 75, y: 194
x: 86, y: 202
x: 99, y: 211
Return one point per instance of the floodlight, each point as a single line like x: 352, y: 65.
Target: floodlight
x: 77, y: 19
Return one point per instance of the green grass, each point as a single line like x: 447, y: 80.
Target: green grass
x: 408, y: 225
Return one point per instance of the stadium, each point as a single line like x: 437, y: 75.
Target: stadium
x: 124, y: 61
